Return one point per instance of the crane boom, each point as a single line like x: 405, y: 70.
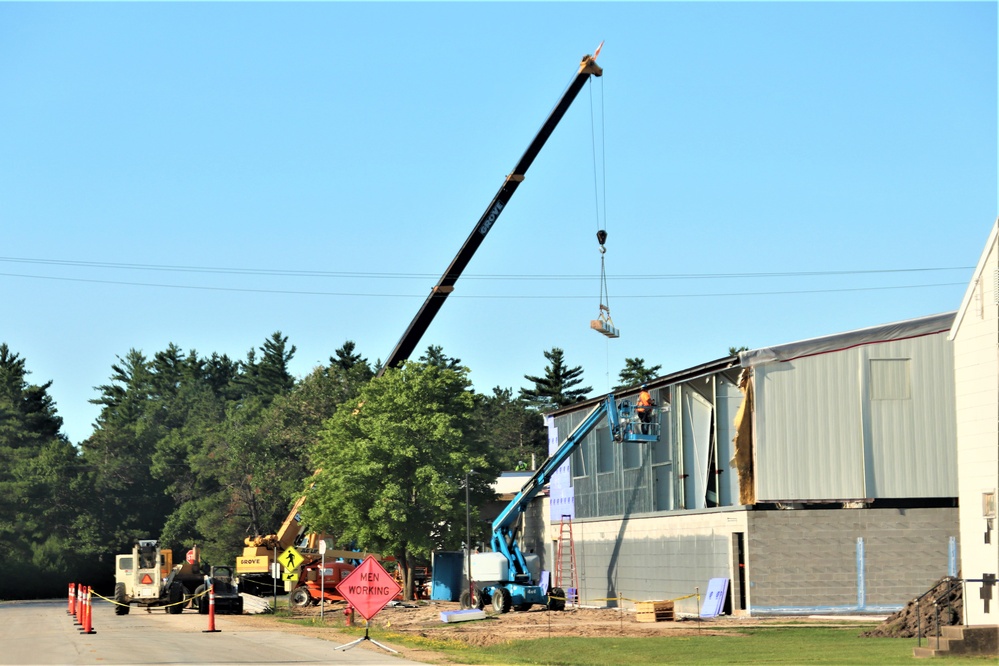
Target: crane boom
x: 445, y: 285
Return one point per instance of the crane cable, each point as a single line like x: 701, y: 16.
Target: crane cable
x: 603, y: 323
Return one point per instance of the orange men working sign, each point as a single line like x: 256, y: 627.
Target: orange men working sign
x: 368, y: 588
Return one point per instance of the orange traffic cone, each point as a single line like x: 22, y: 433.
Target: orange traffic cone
x: 72, y: 592
x: 76, y: 604
x: 211, y: 612
x: 88, y: 611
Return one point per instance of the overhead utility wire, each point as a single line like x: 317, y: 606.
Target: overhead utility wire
x: 472, y: 296
x: 497, y: 276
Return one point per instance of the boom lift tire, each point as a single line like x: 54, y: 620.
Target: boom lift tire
x: 176, y: 599
x: 481, y: 600
x: 501, y: 600
x: 300, y: 597
x: 556, y: 599
x: 120, y: 602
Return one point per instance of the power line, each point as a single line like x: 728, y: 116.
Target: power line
x: 474, y: 296
x: 369, y: 275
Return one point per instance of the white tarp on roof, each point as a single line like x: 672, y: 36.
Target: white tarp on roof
x: 900, y: 330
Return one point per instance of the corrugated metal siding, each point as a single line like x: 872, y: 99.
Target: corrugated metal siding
x: 808, y: 429
x: 821, y: 436
x: 912, y: 448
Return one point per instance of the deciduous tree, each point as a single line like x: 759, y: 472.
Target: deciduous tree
x: 394, y: 463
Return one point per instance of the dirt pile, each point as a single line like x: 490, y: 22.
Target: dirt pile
x: 943, y: 600
x: 423, y: 620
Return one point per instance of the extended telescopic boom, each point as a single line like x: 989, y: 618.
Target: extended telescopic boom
x: 421, y: 322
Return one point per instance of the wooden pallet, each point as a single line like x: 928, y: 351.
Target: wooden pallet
x: 654, y: 611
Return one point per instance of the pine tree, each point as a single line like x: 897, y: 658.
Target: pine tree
x: 555, y: 389
x: 269, y: 376
x: 345, y: 358
x: 635, y: 373
x: 510, y: 429
x: 40, y: 498
x: 435, y: 356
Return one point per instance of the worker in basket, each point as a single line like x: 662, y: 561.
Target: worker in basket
x: 644, y: 408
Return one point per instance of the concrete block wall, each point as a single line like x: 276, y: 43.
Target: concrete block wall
x: 654, y: 558
x: 807, y: 560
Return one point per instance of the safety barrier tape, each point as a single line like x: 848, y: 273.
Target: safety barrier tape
x: 637, y: 601
x: 176, y: 603
x: 634, y: 601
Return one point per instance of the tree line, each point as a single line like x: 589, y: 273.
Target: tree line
x: 209, y: 450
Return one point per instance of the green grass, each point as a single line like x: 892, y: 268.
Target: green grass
x: 783, y: 645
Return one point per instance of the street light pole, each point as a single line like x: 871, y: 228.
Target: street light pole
x: 468, y: 538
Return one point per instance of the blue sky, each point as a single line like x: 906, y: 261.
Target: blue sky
x: 767, y: 172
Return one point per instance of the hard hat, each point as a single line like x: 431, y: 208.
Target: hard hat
x: 643, y: 386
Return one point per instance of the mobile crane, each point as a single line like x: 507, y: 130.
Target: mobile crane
x: 407, y: 343
x: 260, y: 551
x: 508, y: 578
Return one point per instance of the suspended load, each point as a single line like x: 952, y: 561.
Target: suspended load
x: 603, y: 323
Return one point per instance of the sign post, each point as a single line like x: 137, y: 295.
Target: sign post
x: 322, y: 578
x: 368, y: 589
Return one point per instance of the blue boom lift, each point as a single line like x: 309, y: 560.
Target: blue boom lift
x: 507, y: 577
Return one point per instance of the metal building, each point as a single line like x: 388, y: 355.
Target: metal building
x: 816, y: 476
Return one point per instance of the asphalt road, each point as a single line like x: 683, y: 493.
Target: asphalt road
x: 42, y: 632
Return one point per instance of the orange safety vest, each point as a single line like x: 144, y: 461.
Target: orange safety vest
x: 644, y: 401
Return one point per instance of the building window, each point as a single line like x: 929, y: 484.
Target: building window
x: 631, y: 454
x: 989, y: 504
x: 580, y: 459
x: 605, y: 452
x: 890, y: 379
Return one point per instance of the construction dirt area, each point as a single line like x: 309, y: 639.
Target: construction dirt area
x: 423, y: 619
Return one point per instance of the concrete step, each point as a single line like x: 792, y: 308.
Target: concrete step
x: 961, y: 640
x: 942, y: 644
x: 973, y: 640
x: 925, y: 652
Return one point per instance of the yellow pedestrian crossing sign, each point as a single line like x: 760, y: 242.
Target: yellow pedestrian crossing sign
x: 290, y: 575
x: 291, y: 559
